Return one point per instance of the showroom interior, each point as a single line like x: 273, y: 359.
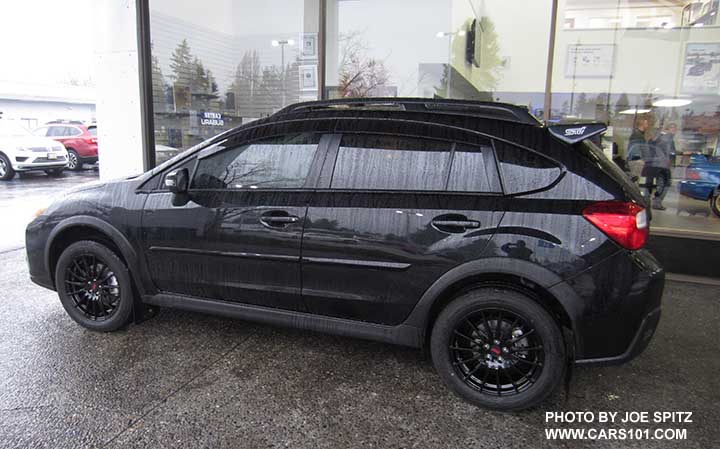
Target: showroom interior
x: 203, y: 68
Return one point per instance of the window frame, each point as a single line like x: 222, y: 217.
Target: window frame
x: 488, y: 152
x: 212, y: 150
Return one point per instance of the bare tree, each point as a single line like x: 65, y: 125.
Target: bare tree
x: 360, y: 75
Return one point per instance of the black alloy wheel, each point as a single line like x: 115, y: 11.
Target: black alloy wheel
x: 498, y: 349
x: 497, y: 352
x: 94, y: 286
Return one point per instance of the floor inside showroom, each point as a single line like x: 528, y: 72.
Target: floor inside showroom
x: 190, y: 380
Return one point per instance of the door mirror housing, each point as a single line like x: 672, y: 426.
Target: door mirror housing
x: 178, y: 181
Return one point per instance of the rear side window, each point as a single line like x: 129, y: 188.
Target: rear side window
x: 386, y: 162
x: 92, y: 130
x: 282, y: 162
x: 523, y: 170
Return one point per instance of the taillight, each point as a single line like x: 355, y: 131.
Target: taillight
x: 90, y: 140
x: 691, y: 173
x: 626, y: 223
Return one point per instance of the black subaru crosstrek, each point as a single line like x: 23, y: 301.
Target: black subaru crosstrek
x: 509, y: 249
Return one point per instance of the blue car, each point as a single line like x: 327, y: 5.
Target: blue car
x: 702, y: 181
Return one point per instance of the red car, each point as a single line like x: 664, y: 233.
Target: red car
x: 79, y: 140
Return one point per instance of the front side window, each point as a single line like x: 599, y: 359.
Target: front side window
x: 56, y: 131
x: 277, y: 163
x: 390, y: 163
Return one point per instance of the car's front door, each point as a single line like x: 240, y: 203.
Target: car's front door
x: 238, y: 238
x: 392, y: 214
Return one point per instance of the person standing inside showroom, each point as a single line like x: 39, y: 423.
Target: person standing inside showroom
x: 664, y: 146
x: 646, y: 159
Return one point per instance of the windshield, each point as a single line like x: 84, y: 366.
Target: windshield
x: 12, y: 129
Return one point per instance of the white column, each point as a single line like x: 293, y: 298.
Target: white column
x: 117, y: 79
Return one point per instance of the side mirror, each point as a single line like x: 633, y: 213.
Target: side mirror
x: 178, y: 181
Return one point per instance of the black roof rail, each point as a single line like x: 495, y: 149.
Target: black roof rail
x: 503, y: 111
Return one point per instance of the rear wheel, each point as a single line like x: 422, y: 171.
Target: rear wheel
x: 715, y: 203
x: 6, y: 171
x: 94, y: 286
x: 74, y: 162
x: 498, y: 349
x: 55, y: 172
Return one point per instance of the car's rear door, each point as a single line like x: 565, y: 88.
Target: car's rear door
x: 238, y: 238
x: 392, y: 214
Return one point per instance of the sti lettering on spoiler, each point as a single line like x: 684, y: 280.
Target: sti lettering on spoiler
x: 575, y: 133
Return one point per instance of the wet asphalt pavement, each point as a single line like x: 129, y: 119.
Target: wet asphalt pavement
x: 190, y: 380
x: 28, y: 192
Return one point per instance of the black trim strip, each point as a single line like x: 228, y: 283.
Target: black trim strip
x: 358, y: 263
x: 240, y: 255
x: 401, y: 334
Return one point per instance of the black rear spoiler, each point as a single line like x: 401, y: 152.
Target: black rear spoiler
x: 575, y: 133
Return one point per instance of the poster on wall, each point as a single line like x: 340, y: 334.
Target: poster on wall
x: 589, y: 61
x: 308, y: 77
x: 309, y: 49
x: 701, y: 68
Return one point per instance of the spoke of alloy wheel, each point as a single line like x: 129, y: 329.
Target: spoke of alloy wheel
x: 497, y: 382
x: 467, y: 376
x: 77, y: 291
x: 477, y: 329
x: 497, y: 326
x: 458, y: 348
x: 77, y: 265
x: 521, y: 349
x: 75, y: 283
x: 517, y: 390
x: 487, y: 325
x: 520, y: 337
x: 512, y: 326
x: 520, y: 359
x: 523, y: 374
x: 483, y: 382
x: 471, y: 359
x: 464, y: 336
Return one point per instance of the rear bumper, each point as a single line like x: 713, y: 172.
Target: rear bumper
x: 641, y: 340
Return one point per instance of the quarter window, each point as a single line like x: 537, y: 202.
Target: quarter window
x: 472, y: 170
x: 282, y: 162
x: 524, y: 170
x: 390, y: 163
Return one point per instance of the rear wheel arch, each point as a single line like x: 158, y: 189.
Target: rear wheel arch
x: 534, y: 282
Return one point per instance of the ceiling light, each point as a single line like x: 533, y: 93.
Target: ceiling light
x: 671, y: 102
x: 633, y: 111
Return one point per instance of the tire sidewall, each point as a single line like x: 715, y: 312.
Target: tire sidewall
x: 554, y: 358
x: 9, y: 172
x: 122, y: 313
x: 78, y: 165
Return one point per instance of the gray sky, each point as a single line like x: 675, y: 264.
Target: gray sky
x: 46, y: 41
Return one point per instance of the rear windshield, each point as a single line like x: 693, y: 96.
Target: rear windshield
x: 92, y: 130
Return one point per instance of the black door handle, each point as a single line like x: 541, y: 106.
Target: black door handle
x: 278, y: 218
x: 456, y: 224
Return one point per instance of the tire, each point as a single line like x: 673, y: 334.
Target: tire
x: 6, y: 171
x: 55, y: 172
x: 715, y: 203
x: 520, y: 372
x: 104, y: 305
x: 74, y: 161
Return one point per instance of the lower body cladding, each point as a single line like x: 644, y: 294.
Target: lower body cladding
x: 616, y: 311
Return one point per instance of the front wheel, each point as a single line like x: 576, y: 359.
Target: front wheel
x: 94, y: 286
x: 6, y: 171
x: 715, y: 203
x: 498, y: 349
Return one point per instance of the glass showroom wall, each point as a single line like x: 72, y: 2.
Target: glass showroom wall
x: 491, y: 50
x: 218, y: 64
x: 651, y: 69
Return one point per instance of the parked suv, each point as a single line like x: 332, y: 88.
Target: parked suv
x: 20, y: 151
x: 507, y: 248
x: 79, y: 140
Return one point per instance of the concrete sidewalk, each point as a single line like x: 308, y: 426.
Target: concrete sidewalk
x: 189, y: 380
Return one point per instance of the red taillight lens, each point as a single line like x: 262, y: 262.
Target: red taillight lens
x: 90, y: 140
x: 626, y: 223
x: 692, y: 174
